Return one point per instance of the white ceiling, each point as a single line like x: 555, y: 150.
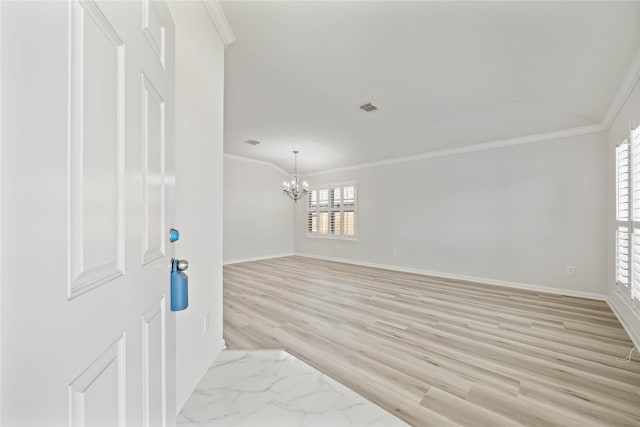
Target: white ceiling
x: 445, y: 75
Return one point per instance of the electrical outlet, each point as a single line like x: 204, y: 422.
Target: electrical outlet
x: 395, y: 251
x: 337, y: 247
x: 205, y: 324
x: 571, y: 270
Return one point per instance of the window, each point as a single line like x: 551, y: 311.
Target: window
x: 331, y: 211
x: 627, y: 237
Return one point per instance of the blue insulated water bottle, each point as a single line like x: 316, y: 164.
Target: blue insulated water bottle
x: 179, y: 285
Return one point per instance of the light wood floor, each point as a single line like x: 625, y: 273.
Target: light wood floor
x: 439, y: 352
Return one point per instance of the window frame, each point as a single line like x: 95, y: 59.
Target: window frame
x: 331, y: 209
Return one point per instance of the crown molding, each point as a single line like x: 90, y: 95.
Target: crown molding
x: 540, y: 137
x: 472, y: 148
x: 215, y: 12
x: 259, y: 162
x: 631, y: 79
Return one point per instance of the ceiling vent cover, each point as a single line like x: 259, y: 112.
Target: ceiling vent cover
x: 252, y: 142
x: 369, y: 107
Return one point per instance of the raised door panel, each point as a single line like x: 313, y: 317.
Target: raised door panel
x: 153, y: 28
x: 97, y: 395
x: 153, y: 173
x: 154, y: 365
x: 96, y: 138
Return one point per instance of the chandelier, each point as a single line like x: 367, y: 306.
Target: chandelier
x: 292, y: 189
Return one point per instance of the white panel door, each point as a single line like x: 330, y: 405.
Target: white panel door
x: 87, y: 181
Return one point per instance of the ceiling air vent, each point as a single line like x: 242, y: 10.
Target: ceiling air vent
x: 369, y: 107
x: 252, y: 142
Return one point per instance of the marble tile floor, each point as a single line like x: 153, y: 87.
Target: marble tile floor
x: 263, y: 388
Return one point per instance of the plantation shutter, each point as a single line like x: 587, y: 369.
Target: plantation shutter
x: 635, y: 208
x: 623, y: 205
x: 331, y: 211
x: 312, y: 214
x: 635, y: 255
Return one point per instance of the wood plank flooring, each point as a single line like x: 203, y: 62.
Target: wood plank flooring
x: 438, y: 352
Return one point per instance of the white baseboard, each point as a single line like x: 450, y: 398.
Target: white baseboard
x: 525, y: 286
x: 258, y: 258
x: 628, y: 317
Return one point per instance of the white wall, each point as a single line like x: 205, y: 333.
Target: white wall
x: 628, y: 117
x: 199, y: 119
x: 258, y: 219
x: 516, y: 215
